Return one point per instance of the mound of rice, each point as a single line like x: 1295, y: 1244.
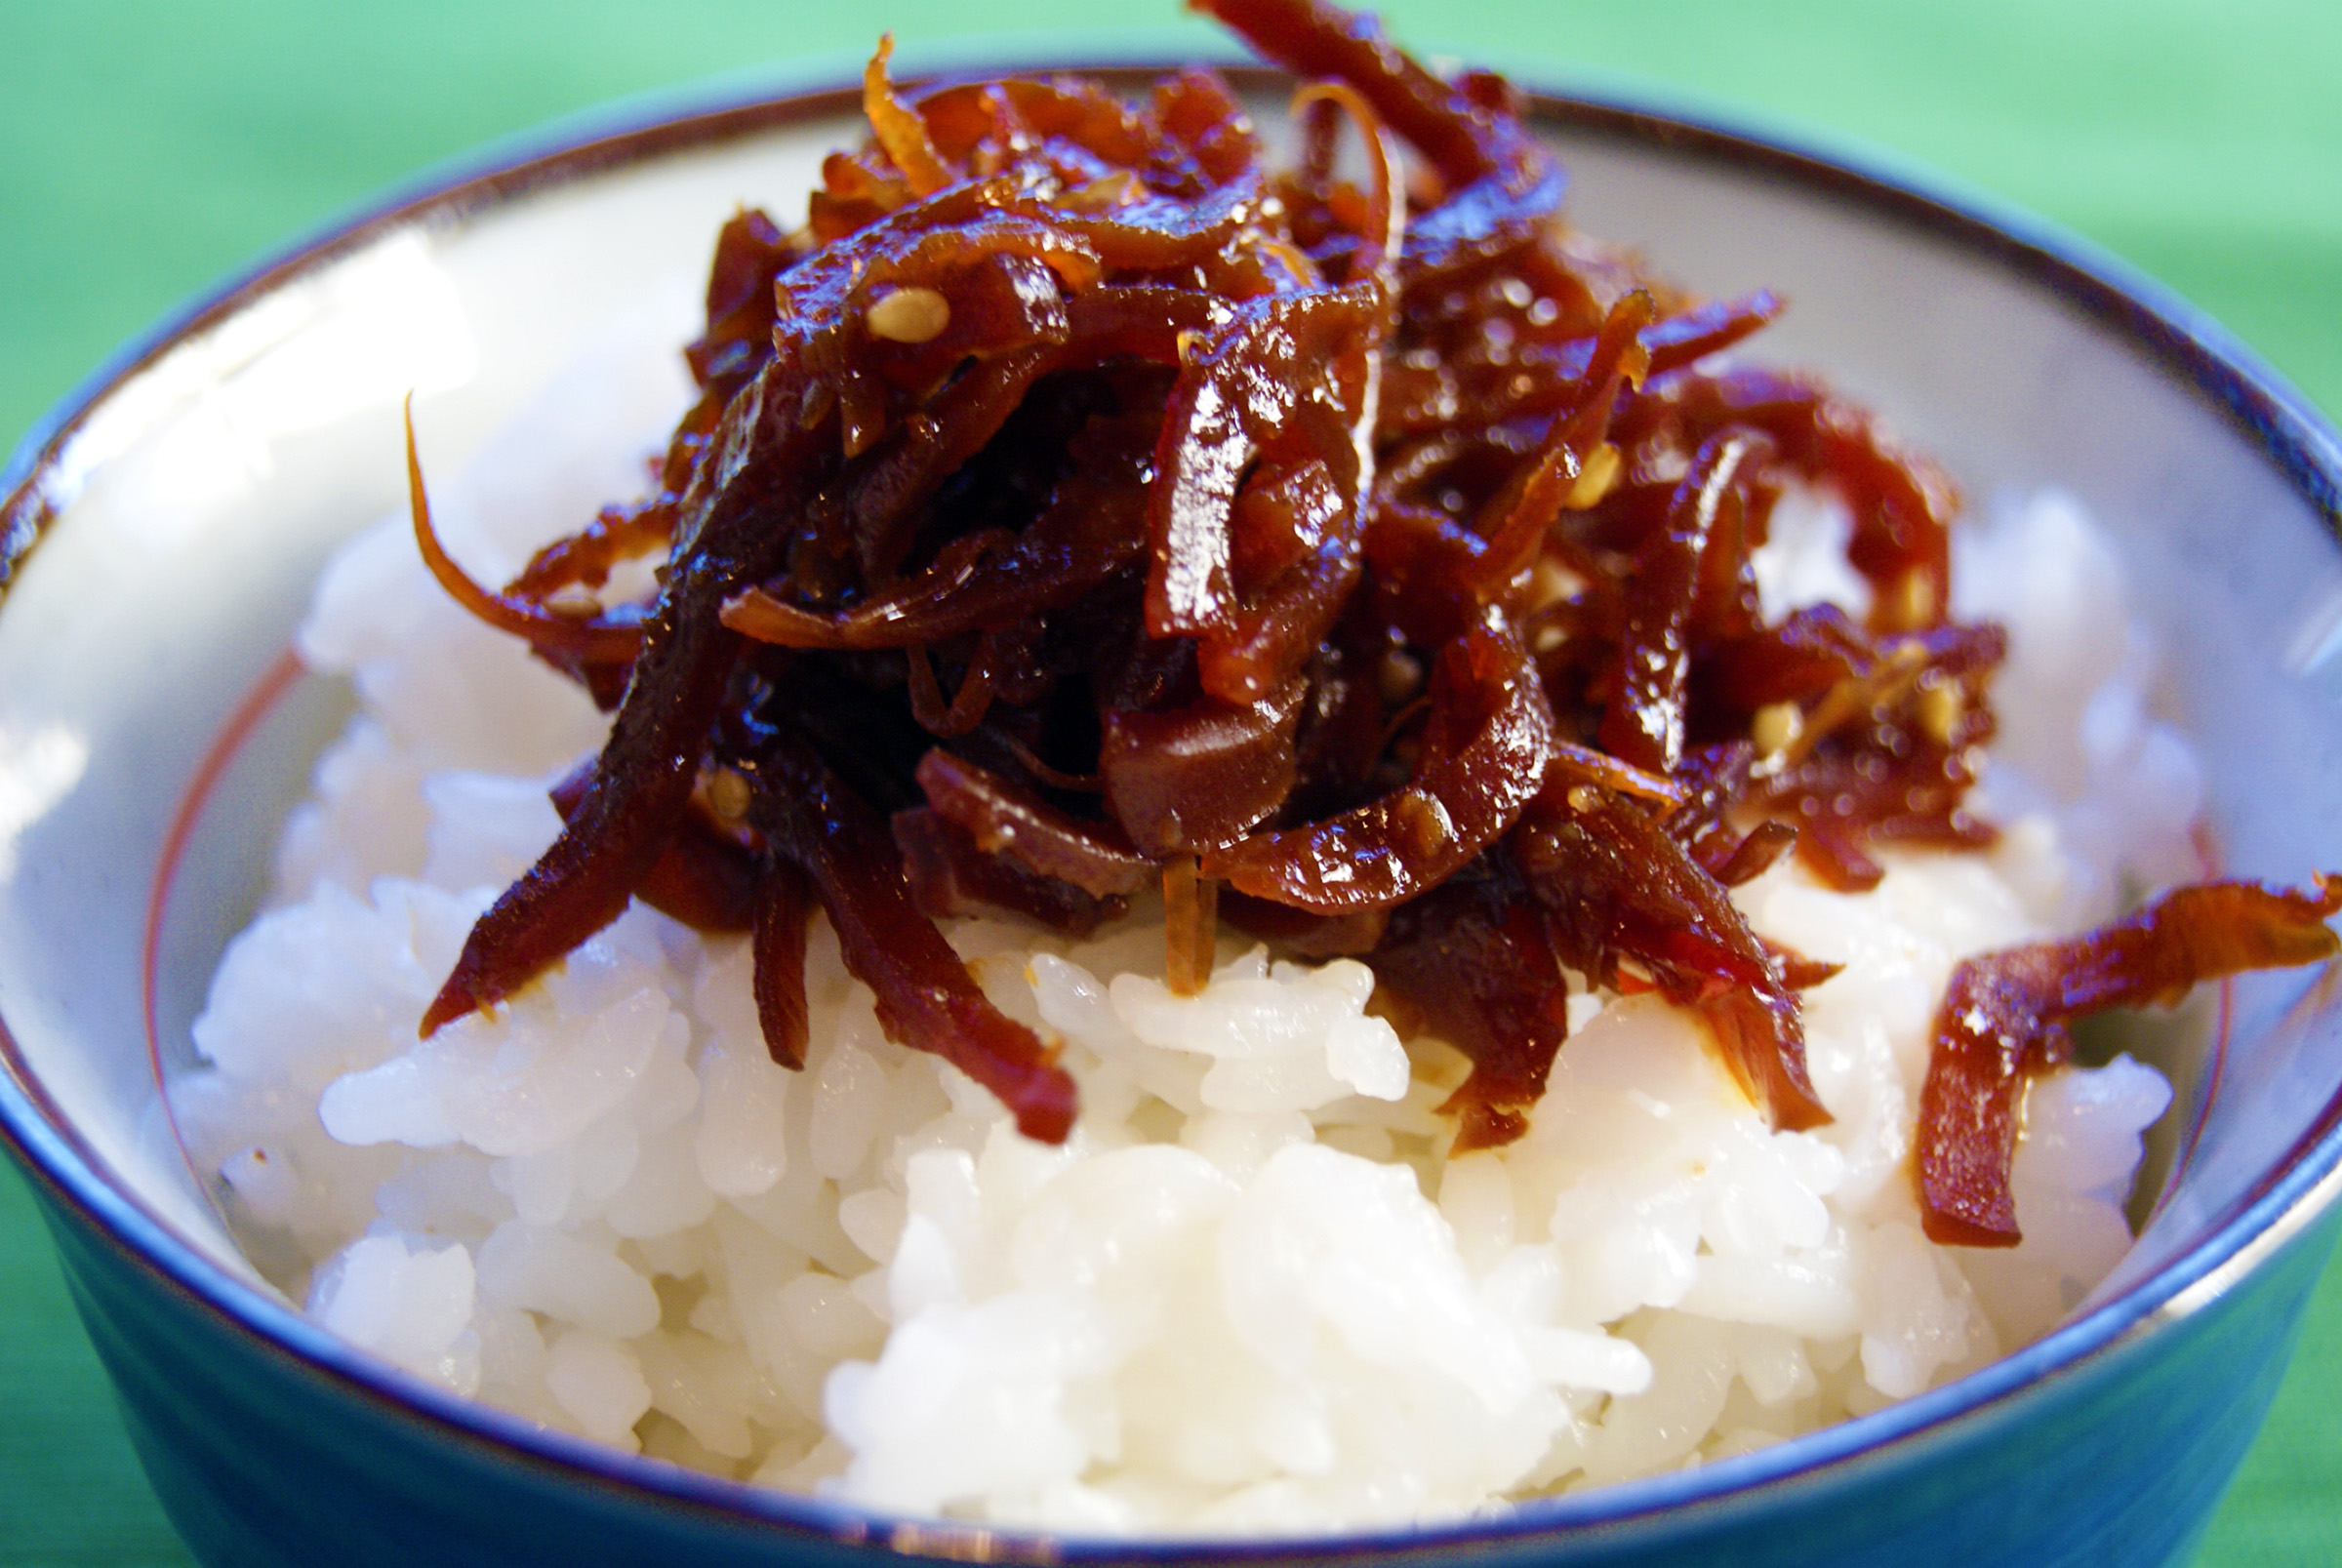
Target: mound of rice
x: 1250, y: 1294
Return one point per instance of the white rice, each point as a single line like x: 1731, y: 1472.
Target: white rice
x: 1249, y: 1294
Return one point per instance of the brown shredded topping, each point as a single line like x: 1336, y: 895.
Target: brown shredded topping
x: 2003, y: 1017
x: 1078, y: 504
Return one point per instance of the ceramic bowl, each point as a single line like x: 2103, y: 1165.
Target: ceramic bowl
x: 161, y: 535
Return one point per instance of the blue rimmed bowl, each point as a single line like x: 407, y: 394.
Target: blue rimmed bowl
x: 161, y: 535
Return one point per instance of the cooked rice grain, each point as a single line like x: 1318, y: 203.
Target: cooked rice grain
x: 1249, y: 1294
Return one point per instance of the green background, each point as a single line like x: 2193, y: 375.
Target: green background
x: 146, y: 150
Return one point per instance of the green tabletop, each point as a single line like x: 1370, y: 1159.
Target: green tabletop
x: 146, y: 149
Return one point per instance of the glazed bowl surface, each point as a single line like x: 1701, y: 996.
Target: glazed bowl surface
x: 163, y: 536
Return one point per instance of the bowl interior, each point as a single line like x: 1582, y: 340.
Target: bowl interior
x: 189, y: 508
x: 2018, y: 379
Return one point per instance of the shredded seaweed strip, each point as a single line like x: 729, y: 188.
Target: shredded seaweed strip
x: 1075, y: 504
x: 2003, y: 1017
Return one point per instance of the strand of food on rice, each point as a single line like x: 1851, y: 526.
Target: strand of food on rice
x: 1076, y: 503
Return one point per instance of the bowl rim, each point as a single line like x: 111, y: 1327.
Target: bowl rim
x: 41, y: 480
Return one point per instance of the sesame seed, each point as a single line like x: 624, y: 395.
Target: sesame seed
x: 910, y: 316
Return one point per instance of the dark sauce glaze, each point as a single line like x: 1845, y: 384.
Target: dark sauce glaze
x: 1075, y: 501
